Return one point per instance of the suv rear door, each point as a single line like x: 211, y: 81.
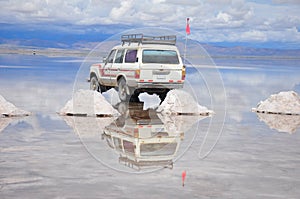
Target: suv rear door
x: 161, y: 65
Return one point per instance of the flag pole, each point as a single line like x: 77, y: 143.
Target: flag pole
x: 184, y: 55
x: 187, y: 32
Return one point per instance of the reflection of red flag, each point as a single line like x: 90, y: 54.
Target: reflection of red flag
x: 183, y: 177
x: 187, y: 29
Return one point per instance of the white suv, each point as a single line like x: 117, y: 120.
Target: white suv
x: 140, y: 64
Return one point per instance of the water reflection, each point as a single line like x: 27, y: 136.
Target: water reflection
x: 88, y: 127
x: 281, y: 123
x: 41, y: 153
x: 4, y: 122
x: 139, y: 140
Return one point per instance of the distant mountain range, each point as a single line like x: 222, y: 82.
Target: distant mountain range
x: 250, y: 51
x: 79, y: 44
x: 71, y: 37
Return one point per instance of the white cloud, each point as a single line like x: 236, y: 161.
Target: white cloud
x: 158, y: 1
x: 117, y: 13
x: 216, y: 20
x: 253, y: 35
x: 224, y: 17
x: 287, y: 35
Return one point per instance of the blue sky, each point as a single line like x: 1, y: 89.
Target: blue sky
x: 266, y: 23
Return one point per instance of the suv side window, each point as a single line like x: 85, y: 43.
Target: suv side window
x: 111, y: 55
x: 119, y: 56
x: 130, y: 56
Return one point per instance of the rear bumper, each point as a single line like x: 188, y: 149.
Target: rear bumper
x: 152, y: 85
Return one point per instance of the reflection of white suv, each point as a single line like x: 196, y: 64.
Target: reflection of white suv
x: 140, y: 64
x: 141, y: 139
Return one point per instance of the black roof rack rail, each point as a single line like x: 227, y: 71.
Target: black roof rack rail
x: 142, y: 39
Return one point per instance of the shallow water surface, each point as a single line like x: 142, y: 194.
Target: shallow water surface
x: 142, y: 154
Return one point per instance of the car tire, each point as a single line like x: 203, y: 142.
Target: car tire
x: 134, y: 97
x: 94, y: 84
x: 123, y: 90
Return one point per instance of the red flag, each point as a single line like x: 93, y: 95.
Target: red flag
x: 187, y: 29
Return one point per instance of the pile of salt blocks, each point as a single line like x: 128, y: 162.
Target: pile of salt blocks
x: 7, y: 109
x: 179, y: 102
x: 88, y: 103
x: 285, y: 103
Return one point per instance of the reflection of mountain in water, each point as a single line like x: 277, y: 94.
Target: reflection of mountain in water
x: 4, y: 122
x: 281, y: 123
x: 16, y: 123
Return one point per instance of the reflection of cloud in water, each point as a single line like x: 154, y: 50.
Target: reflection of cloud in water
x: 245, y: 89
x: 88, y: 127
x: 178, y: 123
x: 246, y: 79
x: 36, y: 96
x: 225, y: 67
x: 16, y: 67
x: 149, y: 101
x: 281, y: 123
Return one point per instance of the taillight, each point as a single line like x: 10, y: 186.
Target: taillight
x: 183, y: 73
x: 136, y: 132
x: 137, y: 74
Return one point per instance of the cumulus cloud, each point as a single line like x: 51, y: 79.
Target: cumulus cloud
x: 226, y: 20
x: 253, y: 35
x: 224, y: 17
x: 121, y: 11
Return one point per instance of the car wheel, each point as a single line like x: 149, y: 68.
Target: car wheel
x: 94, y: 84
x: 123, y: 90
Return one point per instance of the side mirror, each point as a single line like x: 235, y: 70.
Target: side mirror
x: 104, y: 59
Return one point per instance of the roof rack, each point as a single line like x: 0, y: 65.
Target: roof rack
x: 142, y: 39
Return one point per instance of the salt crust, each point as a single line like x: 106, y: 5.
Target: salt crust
x: 7, y: 109
x: 179, y: 102
x: 287, y: 103
x: 88, y: 103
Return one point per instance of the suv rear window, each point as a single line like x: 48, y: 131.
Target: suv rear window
x: 158, y: 149
x: 160, y: 56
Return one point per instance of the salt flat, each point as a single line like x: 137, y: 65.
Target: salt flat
x: 238, y: 156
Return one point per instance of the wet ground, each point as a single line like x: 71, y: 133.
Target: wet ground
x: 143, y: 154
